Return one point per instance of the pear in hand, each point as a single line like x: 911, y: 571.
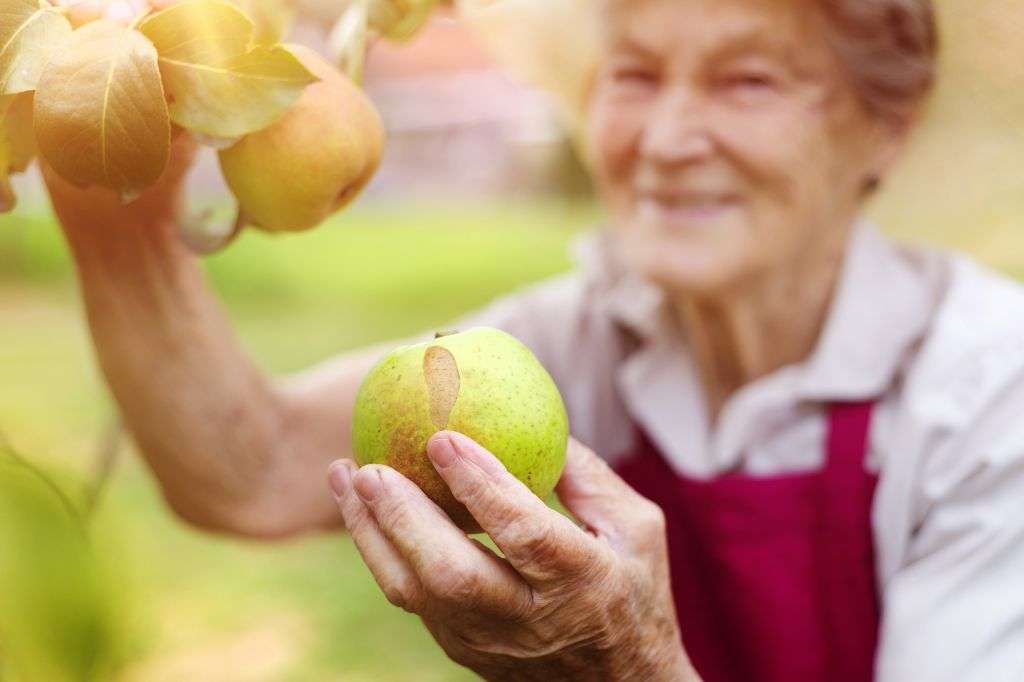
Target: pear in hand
x: 313, y: 160
x: 483, y: 383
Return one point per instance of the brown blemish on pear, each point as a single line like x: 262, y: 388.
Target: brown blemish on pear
x: 441, y: 373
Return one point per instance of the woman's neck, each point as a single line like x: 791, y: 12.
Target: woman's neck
x: 743, y: 335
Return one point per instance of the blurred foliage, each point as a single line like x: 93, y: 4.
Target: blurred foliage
x: 56, y: 611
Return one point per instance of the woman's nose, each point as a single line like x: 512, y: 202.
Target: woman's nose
x: 677, y: 130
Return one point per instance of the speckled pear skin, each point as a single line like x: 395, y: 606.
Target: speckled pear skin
x: 506, y: 401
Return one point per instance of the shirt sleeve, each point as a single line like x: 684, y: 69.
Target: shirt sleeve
x: 954, y: 610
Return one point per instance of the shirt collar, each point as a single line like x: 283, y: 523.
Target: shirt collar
x: 881, y: 308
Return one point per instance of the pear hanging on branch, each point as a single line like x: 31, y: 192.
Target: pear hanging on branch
x: 218, y: 81
x: 312, y: 161
x: 297, y: 139
x: 362, y: 20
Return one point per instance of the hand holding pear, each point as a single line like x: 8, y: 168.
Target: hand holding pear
x: 483, y: 383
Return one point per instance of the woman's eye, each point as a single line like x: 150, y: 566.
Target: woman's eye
x: 751, y: 81
x: 635, y: 77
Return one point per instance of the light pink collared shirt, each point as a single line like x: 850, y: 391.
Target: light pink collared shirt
x: 937, y: 339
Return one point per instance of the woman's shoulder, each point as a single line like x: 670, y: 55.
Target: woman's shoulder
x: 954, y: 449
x: 961, y: 399
x: 973, y: 349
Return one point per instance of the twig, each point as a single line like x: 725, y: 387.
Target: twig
x: 7, y: 449
x: 107, y: 451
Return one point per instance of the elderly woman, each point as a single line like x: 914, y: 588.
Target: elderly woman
x: 815, y: 436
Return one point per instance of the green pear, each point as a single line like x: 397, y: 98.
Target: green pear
x: 483, y: 383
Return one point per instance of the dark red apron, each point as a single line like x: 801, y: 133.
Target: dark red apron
x: 773, y: 577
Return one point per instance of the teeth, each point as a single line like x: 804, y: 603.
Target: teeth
x: 650, y: 210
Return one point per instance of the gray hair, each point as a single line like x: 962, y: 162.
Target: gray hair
x: 889, y: 49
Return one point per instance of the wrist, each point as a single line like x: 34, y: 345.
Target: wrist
x: 664, y: 664
x: 137, y: 253
x: 659, y: 656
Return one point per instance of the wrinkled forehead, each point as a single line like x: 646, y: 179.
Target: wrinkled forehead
x: 795, y: 28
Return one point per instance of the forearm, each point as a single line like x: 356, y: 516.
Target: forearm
x: 206, y: 419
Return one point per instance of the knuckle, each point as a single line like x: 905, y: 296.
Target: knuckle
x: 403, y: 594
x: 651, y: 521
x: 453, y: 582
x: 488, y: 500
x: 392, y: 514
x: 535, y: 543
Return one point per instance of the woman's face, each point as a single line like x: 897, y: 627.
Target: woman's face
x: 727, y: 140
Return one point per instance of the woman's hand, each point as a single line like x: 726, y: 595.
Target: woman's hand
x: 565, y: 602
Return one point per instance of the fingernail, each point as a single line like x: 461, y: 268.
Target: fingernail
x: 368, y: 484
x: 339, y: 477
x: 442, y: 451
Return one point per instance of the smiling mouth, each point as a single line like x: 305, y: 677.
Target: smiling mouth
x: 682, y: 210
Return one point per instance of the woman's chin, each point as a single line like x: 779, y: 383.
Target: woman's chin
x: 684, y: 269
x: 697, y: 261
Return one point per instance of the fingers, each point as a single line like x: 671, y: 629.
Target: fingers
x: 541, y: 544
x: 454, y: 572
x: 599, y: 498
x: 96, y: 207
x: 391, y: 571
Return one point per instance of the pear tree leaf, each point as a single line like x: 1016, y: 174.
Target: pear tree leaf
x: 272, y: 19
x: 100, y: 116
x: 30, y: 30
x: 347, y: 39
x: 17, y: 143
x: 400, y: 20
x: 7, y: 197
x: 218, y: 83
x: 17, y: 130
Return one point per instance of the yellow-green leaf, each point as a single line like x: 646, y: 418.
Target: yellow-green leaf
x: 400, y: 20
x: 21, y: 141
x: 16, y: 143
x: 29, y: 32
x: 7, y: 197
x: 100, y: 114
x: 217, y: 82
x: 272, y: 19
x: 347, y: 40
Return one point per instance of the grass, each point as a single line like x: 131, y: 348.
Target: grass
x: 204, y: 607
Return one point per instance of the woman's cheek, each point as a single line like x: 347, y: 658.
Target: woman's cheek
x: 613, y: 143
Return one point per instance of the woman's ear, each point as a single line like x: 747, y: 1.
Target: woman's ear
x: 891, y: 137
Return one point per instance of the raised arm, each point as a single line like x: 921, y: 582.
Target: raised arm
x: 234, y: 451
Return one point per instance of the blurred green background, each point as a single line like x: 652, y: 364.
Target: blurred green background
x: 196, y: 607
x: 200, y: 607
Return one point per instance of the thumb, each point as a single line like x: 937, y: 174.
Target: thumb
x: 606, y: 504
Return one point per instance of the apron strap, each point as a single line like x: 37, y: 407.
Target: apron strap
x: 846, y: 446
x: 846, y: 544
